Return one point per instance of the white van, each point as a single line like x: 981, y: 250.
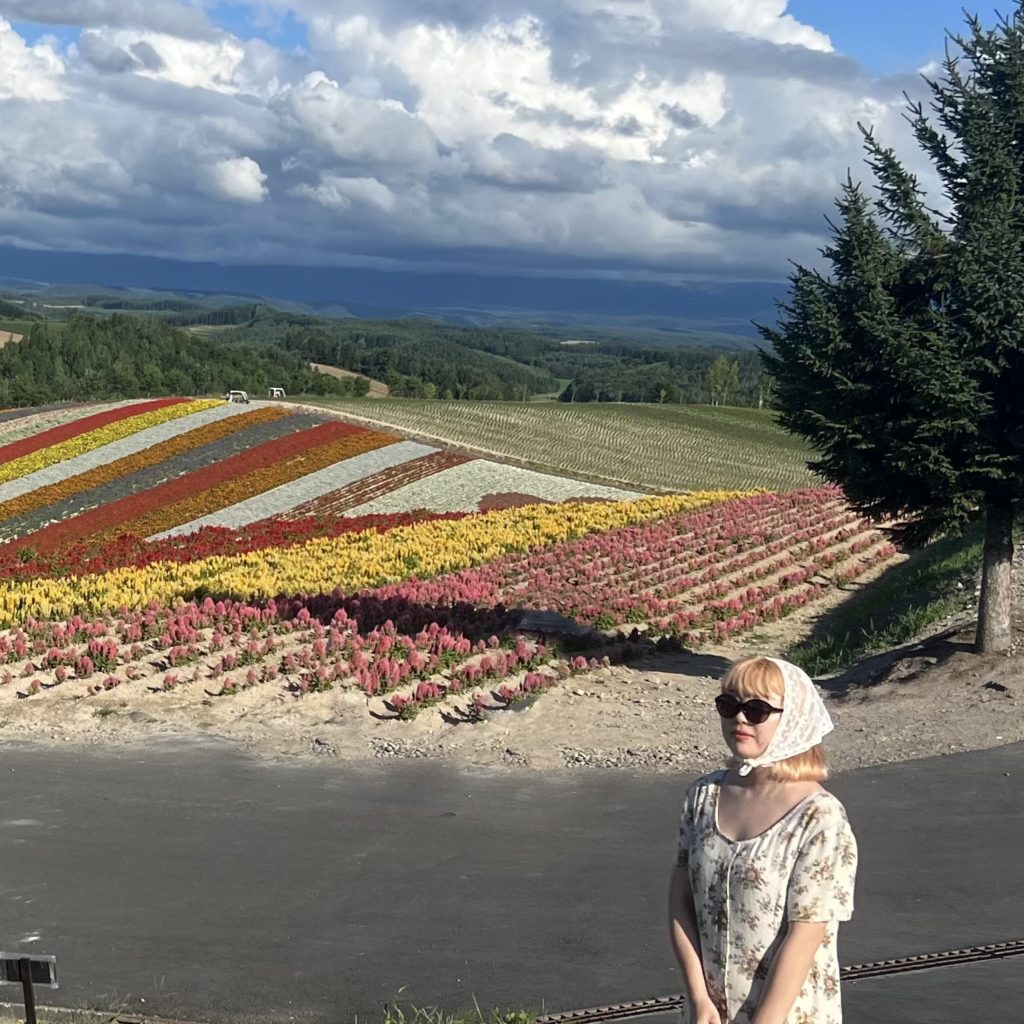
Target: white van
x: 237, y: 396
x: 276, y: 393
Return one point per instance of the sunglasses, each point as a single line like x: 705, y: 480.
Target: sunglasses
x: 756, y: 710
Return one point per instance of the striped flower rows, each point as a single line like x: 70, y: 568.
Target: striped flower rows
x: 397, y: 475
x: 65, y: 442
x: 302, y: 456
x: 92, y: 557
x: 353, y: 561
x: 198, y: 492
x: 455, y: 641
x: 144, y: 449
x: 196, y: 459
x: 78, y: 426
x: 280, y: 502
x: 461, y: 489
x: 18, y: 423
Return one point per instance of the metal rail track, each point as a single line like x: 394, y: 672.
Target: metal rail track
x: 858, y: 972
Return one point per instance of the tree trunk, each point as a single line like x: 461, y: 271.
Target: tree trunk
x: 996, y: 604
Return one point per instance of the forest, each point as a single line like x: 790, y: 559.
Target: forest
x: 128, y: 357
x: 124, y: 347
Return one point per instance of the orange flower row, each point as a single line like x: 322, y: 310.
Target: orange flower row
x: 250, y: 484
x: 52, y: 493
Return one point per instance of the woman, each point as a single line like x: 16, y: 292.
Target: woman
x: 766, y: 861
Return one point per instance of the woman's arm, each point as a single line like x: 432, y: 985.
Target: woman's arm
x: 682, y: 923
x: 789, y: 970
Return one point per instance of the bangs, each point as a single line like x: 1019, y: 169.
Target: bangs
x: 754, y: 677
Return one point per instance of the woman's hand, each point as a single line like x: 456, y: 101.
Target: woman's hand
x: 705, y: 1012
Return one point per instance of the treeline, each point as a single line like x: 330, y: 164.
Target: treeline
x: 689, y: 377
x: 129, y: 357
x: 416, y: 359
x: 13, y: 311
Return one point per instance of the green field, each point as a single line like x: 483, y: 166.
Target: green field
x: 656, y: 447
x: 16, y: 326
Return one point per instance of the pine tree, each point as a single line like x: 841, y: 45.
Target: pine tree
x: 902, y: 366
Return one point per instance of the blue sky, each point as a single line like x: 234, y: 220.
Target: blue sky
x: 890, y: 35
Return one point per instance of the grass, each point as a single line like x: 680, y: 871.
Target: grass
x: 393, y: 1014
x: 24, y: 326
x: 895, y: 609
x: 654, y: 447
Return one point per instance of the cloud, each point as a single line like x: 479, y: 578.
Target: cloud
x: 181, y: 19
x: 28, y: 72
x: 340, y: 194
x: 239, y: 179
x: 644, y: 137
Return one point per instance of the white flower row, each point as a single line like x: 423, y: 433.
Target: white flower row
x: 117, y: 450
x: 460, y: 489
x: 281, y: 499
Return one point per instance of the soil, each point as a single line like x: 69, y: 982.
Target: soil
x: 654, y: 714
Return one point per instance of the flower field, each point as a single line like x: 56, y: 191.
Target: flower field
x: 207, y: 549
x: 86, y: 474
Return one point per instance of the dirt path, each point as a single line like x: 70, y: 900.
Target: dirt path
x: 8, y: 336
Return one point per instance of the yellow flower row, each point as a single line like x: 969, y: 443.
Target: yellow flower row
x: 352, y: 561
x: 93, y: 439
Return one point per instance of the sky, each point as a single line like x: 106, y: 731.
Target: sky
x: 668, y: 141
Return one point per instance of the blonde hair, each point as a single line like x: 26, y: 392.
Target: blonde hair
x: 761, y: 677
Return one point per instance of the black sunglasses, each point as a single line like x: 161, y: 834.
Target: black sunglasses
x: 756, y: 710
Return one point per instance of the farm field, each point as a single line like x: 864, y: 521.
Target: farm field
x: 378, y: 389
x: 671, y: 448
x: 276, y: 562
x: 22, y: 327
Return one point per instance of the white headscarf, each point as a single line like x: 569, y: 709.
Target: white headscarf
x: 803, y: 724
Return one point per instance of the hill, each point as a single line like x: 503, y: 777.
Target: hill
x: 655, y: 447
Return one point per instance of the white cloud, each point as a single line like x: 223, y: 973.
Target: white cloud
x: 352, y: 127
x: 28, y: 72
x: 338, y: 193
x: 670, y: 136
x: 239, y: 179
x: 763, y: 19
x: 194, y: 63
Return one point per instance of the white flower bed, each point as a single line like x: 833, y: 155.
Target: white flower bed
x: 284, y: 498
x: 117, y: 450
x: 460, y: 489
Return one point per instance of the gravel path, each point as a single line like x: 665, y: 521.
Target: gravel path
x: 287, y: 496
x: 171, y: 469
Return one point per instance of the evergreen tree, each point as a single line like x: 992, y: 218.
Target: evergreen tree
x: 903, y: 366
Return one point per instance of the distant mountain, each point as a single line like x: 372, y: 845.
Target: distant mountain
x: 469, y: 299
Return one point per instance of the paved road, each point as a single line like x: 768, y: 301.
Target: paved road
x: 187, y: 880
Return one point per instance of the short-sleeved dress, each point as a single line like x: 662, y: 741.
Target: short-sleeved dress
x: 745, y: 892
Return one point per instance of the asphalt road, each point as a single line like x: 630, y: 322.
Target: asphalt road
x: 186, y: 880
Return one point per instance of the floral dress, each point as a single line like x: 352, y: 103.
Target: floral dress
x: 745, y: 892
